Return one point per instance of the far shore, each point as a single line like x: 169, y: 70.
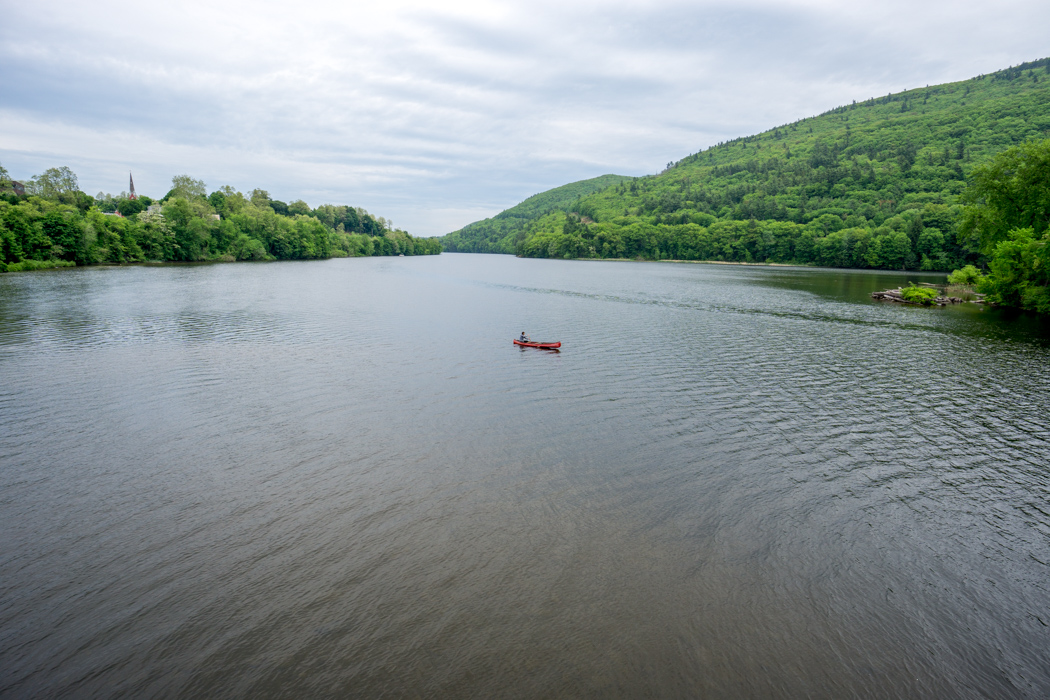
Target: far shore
x: 752, y: 264
x: 692, y: 262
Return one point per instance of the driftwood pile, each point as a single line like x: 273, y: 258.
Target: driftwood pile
x: 895, y: 295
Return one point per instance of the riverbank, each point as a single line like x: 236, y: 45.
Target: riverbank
x: 31, y: 265
x: 693, y: 262
x: 751, y: 264
x: 35, y: 265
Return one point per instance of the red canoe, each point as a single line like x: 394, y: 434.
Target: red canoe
x: 545, y: 346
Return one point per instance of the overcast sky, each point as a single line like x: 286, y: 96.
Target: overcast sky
x: 435, y: 115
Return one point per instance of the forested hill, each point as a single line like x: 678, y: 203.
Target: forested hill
x: 869, y: 184
x: 503, y: 232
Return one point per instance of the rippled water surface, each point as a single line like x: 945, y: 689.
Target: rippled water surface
x: 340, y: 478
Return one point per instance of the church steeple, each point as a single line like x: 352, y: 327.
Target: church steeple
x: 131, y: 180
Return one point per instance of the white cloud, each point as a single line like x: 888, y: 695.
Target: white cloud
x: 423, y: 114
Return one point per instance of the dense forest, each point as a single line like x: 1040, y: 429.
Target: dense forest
x: 871, y: 184
x: 501, y: 233
x: 53, y: 224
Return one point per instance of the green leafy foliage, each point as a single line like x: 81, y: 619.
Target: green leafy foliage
x: 29, y: 265
x: 186, y: 187
x: 872, y: 184
x: 38, y: 232
x: 919, y: 295
x: 1019, y: 272
x: 1009, y: 218
x: 55, y: 183
x: 1010, y: 192
x: 503, y: 232
x: 968, y: 276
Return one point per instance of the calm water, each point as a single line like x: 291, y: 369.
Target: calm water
x: 340, y: 478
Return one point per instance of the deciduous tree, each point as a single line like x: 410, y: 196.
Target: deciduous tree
x: 55, y: 183
x: 188, y: 187
x: 1012, y: 191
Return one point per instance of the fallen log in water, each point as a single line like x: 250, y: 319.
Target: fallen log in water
x: 897, y: 296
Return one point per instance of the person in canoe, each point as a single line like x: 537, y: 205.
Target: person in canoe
x: 529, y: 342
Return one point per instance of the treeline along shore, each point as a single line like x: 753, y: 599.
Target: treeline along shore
x: 48, y: 222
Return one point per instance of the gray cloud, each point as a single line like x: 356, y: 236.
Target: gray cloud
x: 434, y: 117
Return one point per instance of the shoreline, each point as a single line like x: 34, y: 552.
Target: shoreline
x: 808, y: 266
x: 50, y: 265
x: 690, y: 262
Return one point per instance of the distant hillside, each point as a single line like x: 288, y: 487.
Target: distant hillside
x: 501, y: 233
x: 869, y: 184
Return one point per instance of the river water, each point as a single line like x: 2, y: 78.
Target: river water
x: 341, y: 478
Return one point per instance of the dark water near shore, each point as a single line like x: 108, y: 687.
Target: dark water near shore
x: 340, y: 478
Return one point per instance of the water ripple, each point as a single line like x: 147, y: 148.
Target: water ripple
x: 341, y: 478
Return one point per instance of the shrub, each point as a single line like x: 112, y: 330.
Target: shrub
x: 968, y: 276
x: 28, y: 265
x: 919, y: 295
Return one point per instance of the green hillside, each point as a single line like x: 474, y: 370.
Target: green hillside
x: 503, y: 232
x: 870, y: 184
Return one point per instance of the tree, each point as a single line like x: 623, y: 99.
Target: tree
x: 190, y: 232
x: 30, y: 238
x: 217, y: 199
x: 907, y: 152
x: 351, y: 221
x: 298, y: 207
x: 572, y: 226
x: 1010, y: 192
x: 260, y: 198
x: 10, y: 245
x: 129, y: 207
x: 55, y: 183
x: 931, y: 242
x: 186, y: 186
x: 64, y: 233
x: 896, y: 250
x: 967, y: 276
x: 1019, y: 274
